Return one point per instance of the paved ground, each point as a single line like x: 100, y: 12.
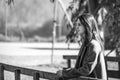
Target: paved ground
x: 33, y: 53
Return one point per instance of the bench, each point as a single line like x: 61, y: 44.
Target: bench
x: 111, y: 73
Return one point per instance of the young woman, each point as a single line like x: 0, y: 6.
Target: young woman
x: 90, y: 62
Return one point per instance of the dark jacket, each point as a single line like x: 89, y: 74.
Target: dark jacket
x: 87, y: 64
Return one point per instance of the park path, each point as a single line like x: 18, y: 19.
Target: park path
x: 34, y: 53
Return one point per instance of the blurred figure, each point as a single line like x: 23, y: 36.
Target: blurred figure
x: 90, y: 62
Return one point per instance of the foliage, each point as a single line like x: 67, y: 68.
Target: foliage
x: 75, y: 9
x: 112, y: 40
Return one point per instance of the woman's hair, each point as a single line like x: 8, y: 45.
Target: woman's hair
x: 84, y: 19
x: 91, y: 28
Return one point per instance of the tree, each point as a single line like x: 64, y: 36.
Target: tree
x: 113, y: 26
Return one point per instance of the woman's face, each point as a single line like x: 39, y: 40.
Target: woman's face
x: 79, y: 32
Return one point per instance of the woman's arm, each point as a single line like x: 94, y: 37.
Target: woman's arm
x: 89, y: 63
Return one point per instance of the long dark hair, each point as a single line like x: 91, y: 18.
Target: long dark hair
x: 90, y: 26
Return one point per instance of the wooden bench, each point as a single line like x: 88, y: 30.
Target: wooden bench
x: 111, y: 73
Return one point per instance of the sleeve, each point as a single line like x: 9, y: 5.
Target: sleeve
x: 89, y: 64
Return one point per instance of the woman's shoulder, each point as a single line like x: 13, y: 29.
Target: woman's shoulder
x: 96, y: 46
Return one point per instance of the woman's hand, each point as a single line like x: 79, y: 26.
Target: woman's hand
x: 59, y: 73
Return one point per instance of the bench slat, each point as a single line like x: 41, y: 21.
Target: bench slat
x: 116, y: 59
x: 113, y: 74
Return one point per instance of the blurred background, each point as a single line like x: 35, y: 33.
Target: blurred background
x: 33, y: 21
x: 30, y: 21
x: 26, y: 32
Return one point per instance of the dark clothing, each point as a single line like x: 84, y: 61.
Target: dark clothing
x: 87, y: 63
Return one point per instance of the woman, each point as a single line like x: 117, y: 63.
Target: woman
x: 90, y: 62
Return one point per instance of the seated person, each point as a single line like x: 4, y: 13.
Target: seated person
x: 90, y: 62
